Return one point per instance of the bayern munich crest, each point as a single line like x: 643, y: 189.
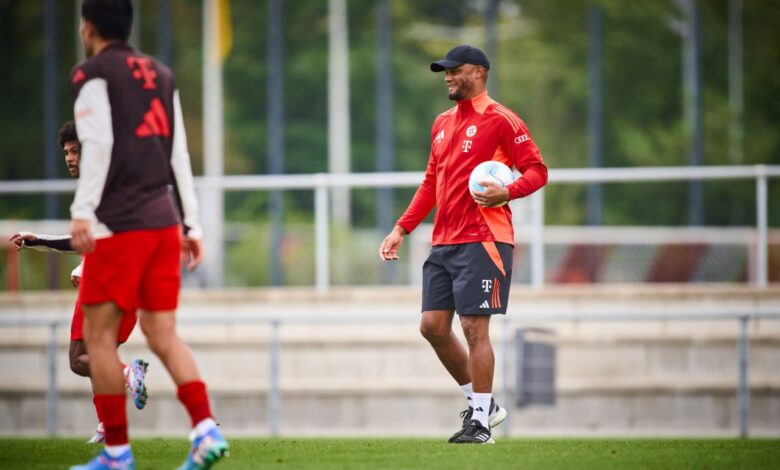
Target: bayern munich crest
x: 471, y: 131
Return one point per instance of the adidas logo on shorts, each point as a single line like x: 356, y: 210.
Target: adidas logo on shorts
x: 485, y: 304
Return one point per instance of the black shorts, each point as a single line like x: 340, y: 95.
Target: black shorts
x: 470, y: 278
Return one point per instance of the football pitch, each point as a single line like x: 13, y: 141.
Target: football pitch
x: 428, y: 454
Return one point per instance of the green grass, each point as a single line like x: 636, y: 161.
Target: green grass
x: 428, y: 454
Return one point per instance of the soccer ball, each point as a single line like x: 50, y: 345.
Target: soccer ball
x: 491, y: 170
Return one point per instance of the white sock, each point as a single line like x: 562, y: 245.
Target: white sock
x: 468, y: 391
x: 116, y: 451
x: 205, y: 426
x: 128, y: 375
x: 481, y: 406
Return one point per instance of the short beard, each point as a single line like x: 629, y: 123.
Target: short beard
x: 457, y: 96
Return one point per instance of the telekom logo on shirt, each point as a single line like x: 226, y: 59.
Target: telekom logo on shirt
x: 142, y: 70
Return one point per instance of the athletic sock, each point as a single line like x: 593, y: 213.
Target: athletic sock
x: 205, y: 426
x: 113, y: 414
x: 468, y: 392
x: 116, y: 451
x: 195, y: 399
x: 481, y: 406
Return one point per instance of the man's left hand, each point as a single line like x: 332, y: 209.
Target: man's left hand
x: 493, y: 195
x: 81, y: 238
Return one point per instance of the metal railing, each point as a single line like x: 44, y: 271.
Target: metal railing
x: 322, y: 183
x: 274, y: 401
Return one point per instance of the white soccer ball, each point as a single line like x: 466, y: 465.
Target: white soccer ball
x: 492, y: 171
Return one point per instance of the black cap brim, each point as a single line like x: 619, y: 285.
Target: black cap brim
x: 441, y: 65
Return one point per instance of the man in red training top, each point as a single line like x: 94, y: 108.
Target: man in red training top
x: 470, y: 265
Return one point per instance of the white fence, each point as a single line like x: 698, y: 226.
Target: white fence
x: 322, y: 184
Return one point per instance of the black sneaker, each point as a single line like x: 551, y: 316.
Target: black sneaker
x: 497, y: 416
x: 465, y: 416
x: 474, y: 433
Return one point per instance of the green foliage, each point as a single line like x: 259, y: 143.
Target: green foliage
x: 539, y: 70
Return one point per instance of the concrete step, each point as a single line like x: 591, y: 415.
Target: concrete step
x: 580, y: 360
x: 370, y: 378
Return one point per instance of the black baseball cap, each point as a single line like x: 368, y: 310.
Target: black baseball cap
x: 459, y: 55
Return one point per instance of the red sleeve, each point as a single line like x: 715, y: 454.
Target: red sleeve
x: 522, y: 150
x: 424, y: 199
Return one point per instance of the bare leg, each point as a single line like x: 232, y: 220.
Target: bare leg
x: 436, y: 327
x: 481, y: 359
x: 101, y: 326
x: 79, y: 359
x: 165, y: 342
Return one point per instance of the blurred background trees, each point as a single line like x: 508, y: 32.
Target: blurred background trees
x: 540, y: 70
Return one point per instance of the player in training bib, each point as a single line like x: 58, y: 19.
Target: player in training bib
x: 469, y: 268
x: 134, y: 374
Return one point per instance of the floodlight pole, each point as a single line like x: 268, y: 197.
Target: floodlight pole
x: 212, y: 196
x: 164, y: 32
x: 135, y: 31
x: 385, y: 149
x: 735, y: 81
x: 338, y: 106
x: 80, y: 54
x: 275, y: 95
x: 689, y: 29
x: 50, y: 125
x: 491, y: 38
x: 595, y: 111
x: 736, y: 133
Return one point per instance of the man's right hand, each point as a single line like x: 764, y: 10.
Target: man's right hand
x: 20, y: 238
x: 388, y: 249
x: 81, y: 238
x: 191, y: 252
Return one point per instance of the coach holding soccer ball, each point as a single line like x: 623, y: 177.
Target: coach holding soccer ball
x: 469, y: 267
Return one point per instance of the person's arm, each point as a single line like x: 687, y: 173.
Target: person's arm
x: 521, y: 148
x: 92, y: 112
x: 185, y: 188
x: 42, y: 242
x: 388, y: 249
x: 77, y: 274
x: 421, y: 205
x: 424, y: 199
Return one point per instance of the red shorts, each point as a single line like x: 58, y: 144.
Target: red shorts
x: 77, y: 324
x: 138, y: 269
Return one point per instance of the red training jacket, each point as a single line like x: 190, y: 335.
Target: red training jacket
x: 462, y: 137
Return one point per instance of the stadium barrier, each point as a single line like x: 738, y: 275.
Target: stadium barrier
x: 502, y: 388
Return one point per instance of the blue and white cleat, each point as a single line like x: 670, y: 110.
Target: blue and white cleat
x: 105, y: 462
x: 206, y: 450
x: 100, y: 435
x: 135, y: 379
